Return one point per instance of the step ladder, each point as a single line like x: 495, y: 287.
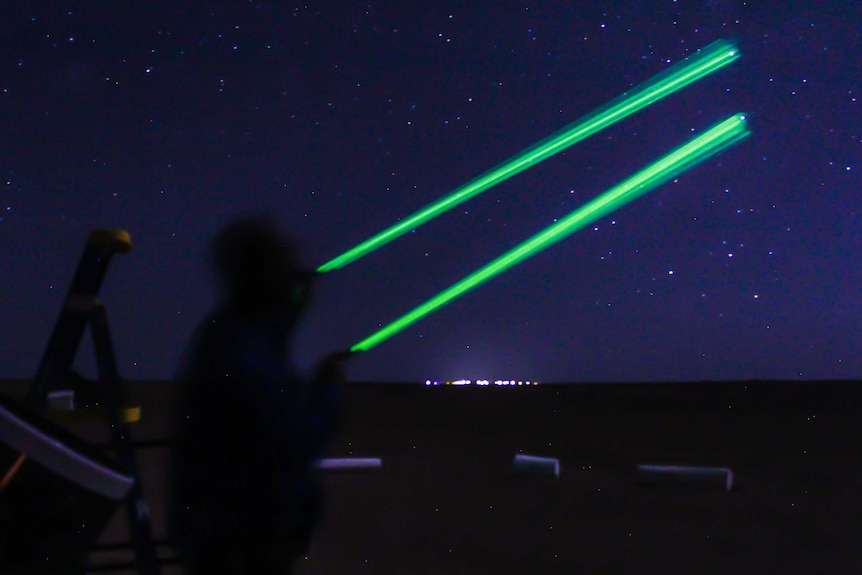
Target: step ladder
x: 80, y: 310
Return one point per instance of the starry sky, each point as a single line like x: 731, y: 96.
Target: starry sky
x: 338, y: 118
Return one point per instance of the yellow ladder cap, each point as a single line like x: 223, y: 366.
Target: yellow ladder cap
x: 119, y: 240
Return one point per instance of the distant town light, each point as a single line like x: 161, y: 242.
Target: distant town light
x: 482, y: 382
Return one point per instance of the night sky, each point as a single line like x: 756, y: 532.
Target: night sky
x: 339, y: 118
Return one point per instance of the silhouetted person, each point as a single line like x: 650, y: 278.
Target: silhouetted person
x: 245, y: 495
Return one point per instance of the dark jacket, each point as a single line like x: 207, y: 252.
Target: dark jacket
x: 247, y: 434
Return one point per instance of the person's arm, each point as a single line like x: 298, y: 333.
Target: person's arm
x: 331, y: 374
x: 301, y: 423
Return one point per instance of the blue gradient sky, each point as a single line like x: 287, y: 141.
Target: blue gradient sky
x: 168, y: 122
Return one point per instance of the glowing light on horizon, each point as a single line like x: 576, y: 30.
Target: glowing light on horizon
x: 683, y: 158
x: 702, y: 63
x: 481, y: 382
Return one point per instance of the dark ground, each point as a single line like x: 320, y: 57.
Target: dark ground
x: 444, y: 503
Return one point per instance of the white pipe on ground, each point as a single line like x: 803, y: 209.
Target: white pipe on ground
x: 534, y: 465
x: 684, y: 474
x: 349, y: 463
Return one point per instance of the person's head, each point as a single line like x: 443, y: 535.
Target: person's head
x: 259, y: 269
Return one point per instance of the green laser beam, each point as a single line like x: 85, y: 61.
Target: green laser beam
x: 685, y: 157
x: 702, y: 63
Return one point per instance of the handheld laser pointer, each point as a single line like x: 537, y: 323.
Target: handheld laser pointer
x: 683, y: 158
x: 701, y: 64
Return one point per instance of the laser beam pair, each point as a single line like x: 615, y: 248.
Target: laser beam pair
x: 721, y: 136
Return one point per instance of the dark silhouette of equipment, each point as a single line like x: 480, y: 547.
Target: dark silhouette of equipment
x: 57, y: 491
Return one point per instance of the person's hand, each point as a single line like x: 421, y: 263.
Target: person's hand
x: 332, y: 368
